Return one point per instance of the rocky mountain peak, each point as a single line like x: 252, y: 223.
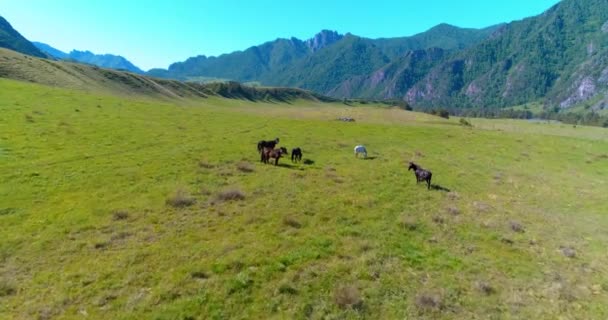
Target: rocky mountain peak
x: 323, y: 39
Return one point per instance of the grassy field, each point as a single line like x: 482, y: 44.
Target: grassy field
x: 125, y: 208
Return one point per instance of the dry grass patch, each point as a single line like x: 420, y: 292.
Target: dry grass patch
x: 230, y: 195
x: 453, y: 211
x: 292, y: 222
x: 485, y: 288
x: 348, y: 297
x: 428, y: 302
x: 568, y: 251
x: 7, y: 288
x: 517, y: 227
x: 205, y: 165
x: 245, y: 167
x: 409, y: 223
x: 120, y: 215
x: 180, y: 199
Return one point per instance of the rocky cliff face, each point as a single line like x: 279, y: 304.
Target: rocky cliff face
x: 323, y: 39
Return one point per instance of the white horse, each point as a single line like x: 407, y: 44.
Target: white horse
x: 360, y: 149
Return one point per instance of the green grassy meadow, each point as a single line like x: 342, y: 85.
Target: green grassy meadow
x: 117, y: 207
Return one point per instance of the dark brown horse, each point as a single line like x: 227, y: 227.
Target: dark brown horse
x: 267, y: 144
x: 421, y: 174
x: 276, y: 154
x: 296, y: 155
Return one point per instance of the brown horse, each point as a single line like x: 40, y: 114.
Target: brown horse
x: 421, y: 174
x: 276, y: 154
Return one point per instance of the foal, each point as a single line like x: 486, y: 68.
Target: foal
x: 421, y: 174
x: 296, y: 154
x: 276, y: 154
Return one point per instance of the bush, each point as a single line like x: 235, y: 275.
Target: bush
x: 465, y: 122
x: 180, y: 199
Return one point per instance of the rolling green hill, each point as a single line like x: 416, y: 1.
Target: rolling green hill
x: 13, y: 40
x: 93, y: 79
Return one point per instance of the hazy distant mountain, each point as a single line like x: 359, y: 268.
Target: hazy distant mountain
x: 11, y: 39
x: 55, y: 53
x: 100, y: 60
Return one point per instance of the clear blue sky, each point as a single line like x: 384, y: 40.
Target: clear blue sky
x: 155, y: 33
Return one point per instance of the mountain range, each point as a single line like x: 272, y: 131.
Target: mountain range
x: 558, y: 58
x: 101, y: 60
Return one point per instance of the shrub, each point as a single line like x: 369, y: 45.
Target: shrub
x: 568, y: 252
x: 517, y: 227
x: 287, y: 289
x: 453, y: 211
x: 199, y: 275
x: 120, y: 215
x: 245, y: 167
x: 292, y: 222
x: 180, y: 199
x: 429, y: 302
x: 7, y: 289
x: 230, y: 195
x: 348, y: 297
x: 485, y: 288
x: 206, y: 165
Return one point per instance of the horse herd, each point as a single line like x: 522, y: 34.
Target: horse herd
x: 267, y: 150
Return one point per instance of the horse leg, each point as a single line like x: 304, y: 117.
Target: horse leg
x: 428, y: 183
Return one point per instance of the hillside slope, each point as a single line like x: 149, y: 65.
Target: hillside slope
x: 13, y: 40
x: 93, y: 79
